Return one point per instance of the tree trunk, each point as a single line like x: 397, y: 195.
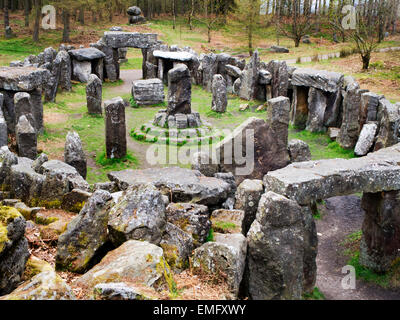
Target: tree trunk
x: 82, y: 15
x: 26, y: 12
x: 365, y: 61
x: 174, y: 14
x: 6, y: 16
x: 38, y: 13
x: 66, y: 18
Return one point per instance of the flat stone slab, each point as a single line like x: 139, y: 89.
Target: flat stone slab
x: 22, y: 78
x: 120, y: 39
x: 86, y: 54
x: 183, y: 185
x: 176, y: 56
x: 313, y: 180
x: 323, y: 80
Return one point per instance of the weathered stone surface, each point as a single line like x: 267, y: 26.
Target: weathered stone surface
x: 389, y: 125
x: 248, y: 194
x: 85, y: 235
x: 380, y: 231
x: 233, y: 71
x: 37, y: 163
x: 299, y: 151
x: 177, y: 246
x: 224, y: 258
x: 176, y: 56
x: 299, y: 112
x: 319, y: 79
x: 138, y: 215
x: 178, y: 183
x: 23, y: 107
x: 74, y: 154
x: 333, y: 133
x: 209, y: 67
x: 51, y: 85
x: 64, y: 61
x: 264, y: 77
x: 108, y: 186
x: 75, y: 200
x: 26, y: 138
x: 279, y: 49
x: 236, y: 86
x: 136, y: 19
x: 115, y: 128
x: 134, y: 261
x: 179, y: 90
x: 280, y: 78
x: 94, y: 90
x: 332, y: 117
x: 133, y: 11
x: 191, y: 218
x: 148, y: 92
x: 22, y: 78
x: 219, y: 94
x: 249, y: 78
x: 350, y: 128
x: 369, y: 107
x: 86, y: 54
x: 275, y: 250
x: 13, y: 249
x: 265, y: 144
x: 201, y: 161
x: 309, y: 181
x: 317, y: 104
x: 44, y: 286
x: 119, y: 39
x: 227, y: 221
x: 120, y: 291
x: 229, y: 178
x: 81, y: 70
x: 3, y: 124
x: 366, y: 139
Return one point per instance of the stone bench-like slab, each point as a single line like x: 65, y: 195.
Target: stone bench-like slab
x: 183, y: 185
x: 22, y: 78
x: 120, y: 39
x: 86, y: 54
x: 312, y: 180
x: 182, y: 56
x: 323, y: 80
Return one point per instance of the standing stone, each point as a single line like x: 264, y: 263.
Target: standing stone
x: 280, y: 78
x: 115, y: 128
x: 380, y: 242
x: 73, y: 153
x: 51, y: 86
x: 249, y: 78
x: 248, y: 194
x: 332, y: 117
x: 366, y: 139
x: 350, y: 128
x: 26, y: 138
x: 179, y: 90
x: 81, y: 70
x: 369, y: 107
x: 389, y: 124
x: 219, y: 96
x: 23, y: 107
x: 316, y: 110
x: 209, y: 67
x: 275, y: 250
x: 299, y: 151
x: 299, y: 112
x: 63, y: 59
x: 94, y: 90
x: 148, y: 92
x: 3, y: 124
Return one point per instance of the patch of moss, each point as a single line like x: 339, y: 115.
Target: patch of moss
x: 224, y: 226
x: 48, y: 204
x: 45, y: 221
x: 171, y: 255
x: 210, y: 236
x: 163, y: 268
x: 6, y: 214
x: 316, y: 294
x: 77, y: 207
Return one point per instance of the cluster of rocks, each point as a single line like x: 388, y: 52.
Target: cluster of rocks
x: 135, y: 15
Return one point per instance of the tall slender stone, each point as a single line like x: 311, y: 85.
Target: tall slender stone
x: 73, y: 153
x: 249, y: 78
x: 115, y: 128
x: 219, y: 97
x: 94, y: 91
x: 280, y: 78
x: 3, y: 124
x: 23, y: 106
x: 26, y: 138
x: 179, y: 90
x: 64, y: 61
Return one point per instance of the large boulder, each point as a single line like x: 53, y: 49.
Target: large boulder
x: 327, y: 81
x: 389, y: 124
x: 13, y: 249
x: 191, y: 218
x: 46, y: 285
x: 224, y: 259
x: 138, y: 215
x: 299, y: 151
x: 85, y: 235
x: 74, y: 154
x: 148, y: 92
x: 134, y: 261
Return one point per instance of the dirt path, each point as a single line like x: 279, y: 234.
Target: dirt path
x: 343, y: 217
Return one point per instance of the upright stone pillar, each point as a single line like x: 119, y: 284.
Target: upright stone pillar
x: 3, y: 124
x: 280, y: 78
x: 249, y: 78
x: 74, y: 154
x: 115, y: 128
x: 380, y: 241
x: 64, y: 61
x: 179, y: 90
x: 299, y: 110
x: 219, y: 96
x: 23, y: 107
x: 94, y: 89
x: 317, y: 103
x: 26, y: 138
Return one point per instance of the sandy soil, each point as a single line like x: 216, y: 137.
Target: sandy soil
x: 343, y: 216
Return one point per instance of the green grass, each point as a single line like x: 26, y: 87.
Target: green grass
x: 316, y: 294
x: 224, y: 225
x: 132, y: 63
x: 210, y: 237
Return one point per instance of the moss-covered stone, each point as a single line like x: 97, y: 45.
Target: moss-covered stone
x: 34, y: 266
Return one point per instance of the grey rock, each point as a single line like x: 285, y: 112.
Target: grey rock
x: 107, y: 186
x: 299, y: 151
x: 221, y: 217
x: 317, y: 104
x: 219, y: 94
x: 42, y: 158
x: 175, y: 56
x: 179, y: 90
x: 22, y: 78
x: 26, y: 138
x: 85, y: 235
x: 323, y: 80
x: 249, y: 78
x: 117, y: 291
x: 64, y: 61
x: 208, y: 67
x: 74, y: 154
x: 139, y: 215
x: 119, y: 39
x: 279, y: 49
x: 181, y: 121
x: 366, y: 139
x: 86, y: 54
x: 389, y: 124
x: 94, y: 90
x: 115, y: 128
x: 264, y: 77
x: 201, y: 161
x: 280, y: 78
x: 233, y: 71
x: 81, y: 70
x: 133, y: 11
x: 23, y: 107
x: 148, y: 92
